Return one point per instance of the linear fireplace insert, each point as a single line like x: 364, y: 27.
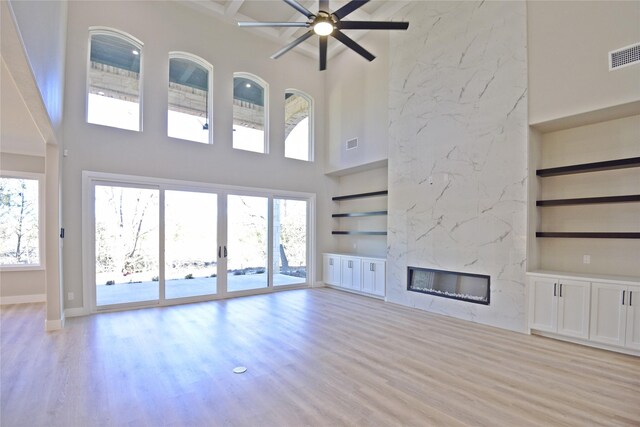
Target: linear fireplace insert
x: 468, y: 287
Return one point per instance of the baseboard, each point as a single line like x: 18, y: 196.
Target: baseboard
x: 587, y: 343
x: 23, y: 299
x: 75, y: 312
x: 319, y: 285
x: 53, y: 325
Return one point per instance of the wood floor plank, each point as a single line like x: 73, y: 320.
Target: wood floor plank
x: 316, y: 357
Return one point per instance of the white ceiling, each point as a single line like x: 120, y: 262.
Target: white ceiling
x: 279, y: 11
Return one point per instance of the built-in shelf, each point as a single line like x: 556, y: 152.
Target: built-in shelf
x: 355, y: 214
x: 589, y: 235
x: 360, y: 196
x: 361, y: 233
x: 631, y: 162
x: 589, y: 200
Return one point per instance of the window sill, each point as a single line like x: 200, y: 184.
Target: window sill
x: 22, y: 268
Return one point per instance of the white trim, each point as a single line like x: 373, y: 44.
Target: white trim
x: 265, y: 87
x: 53, y: 325
x: 585, y: 342
x: 40, y: 178
x: 23, y: 299
x: 76, y: 312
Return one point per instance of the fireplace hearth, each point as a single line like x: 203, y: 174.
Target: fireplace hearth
x: 474, y: 288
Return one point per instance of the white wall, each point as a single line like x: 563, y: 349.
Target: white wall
x: 568, y: 43
x: 357, y: 104
x: 164, y: 27
x: 458, y: 154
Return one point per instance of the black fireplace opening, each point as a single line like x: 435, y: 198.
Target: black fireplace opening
x: 468, y: 287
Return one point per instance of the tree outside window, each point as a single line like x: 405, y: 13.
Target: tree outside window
x: 19, y: 222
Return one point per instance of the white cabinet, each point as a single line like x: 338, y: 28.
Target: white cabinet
x: 615, y: 320
x: 560, y: 306
x: 351, y: 273
x: 355, y: 273
x: 331, y: 269
x: 373, y: 276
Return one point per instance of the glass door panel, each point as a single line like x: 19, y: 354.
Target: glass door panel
x: 247, y: 242
x: 126, y: 244
x: 289, y: 242
x: 190, y: 244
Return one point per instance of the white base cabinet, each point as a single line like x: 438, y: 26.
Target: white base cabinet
x: 596, y: 310
x: 355, y: 273
x: 615, y: 320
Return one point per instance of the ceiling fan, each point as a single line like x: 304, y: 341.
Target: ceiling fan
x: 325, y: 24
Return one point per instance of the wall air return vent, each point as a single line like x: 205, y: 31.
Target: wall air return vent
x: 625, y: 56
x: 352, y: 143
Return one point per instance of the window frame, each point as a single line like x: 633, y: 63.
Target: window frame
x: 203, y: 63
x: 265, y: 87
x: 39, y: 178
x: 113, y: 32
x: 311, y: 147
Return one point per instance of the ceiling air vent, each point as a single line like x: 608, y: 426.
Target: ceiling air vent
x: 352, y: 143
x: 625, y: 56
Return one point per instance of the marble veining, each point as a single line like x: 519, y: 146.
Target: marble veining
x: 457, y: 153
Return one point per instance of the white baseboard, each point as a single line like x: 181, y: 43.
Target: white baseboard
x: 23, y: 299
x: 75, y: 312
x: 319, y: 285
x: 53, y: 325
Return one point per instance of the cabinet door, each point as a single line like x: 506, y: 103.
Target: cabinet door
x: 608, y: 313
x: 573, y: 308
x: 543, y: 304
x: 351, y: 273
x: 373, y: 276
x: 331, y: 269
x: 633, y: 318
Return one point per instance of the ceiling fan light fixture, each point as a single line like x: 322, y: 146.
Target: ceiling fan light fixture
x: 323, y: 28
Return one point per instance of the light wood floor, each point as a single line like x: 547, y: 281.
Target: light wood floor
x: 314, y: 357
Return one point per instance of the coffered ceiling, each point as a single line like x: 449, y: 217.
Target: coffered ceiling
x: 278, y: 11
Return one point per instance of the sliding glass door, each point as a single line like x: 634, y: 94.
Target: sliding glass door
x: 162, y: 243
x: 246, y: 251
x: 190, y: 244
x: 126, y: 244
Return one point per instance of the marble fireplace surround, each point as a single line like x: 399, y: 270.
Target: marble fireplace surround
x: 457, y: 174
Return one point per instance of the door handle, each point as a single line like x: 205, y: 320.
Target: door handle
x: 555, y: 287
x: 225, y: 251
x: 219, y: 251
x: 623, y: 292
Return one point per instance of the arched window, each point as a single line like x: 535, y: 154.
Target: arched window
x: 250, y: 113
x: 189, y: 114
x: 298, y: 125
x: 114, y: 71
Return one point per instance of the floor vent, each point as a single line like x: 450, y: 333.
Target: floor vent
x: 626, y: 56
x: 352, y: 143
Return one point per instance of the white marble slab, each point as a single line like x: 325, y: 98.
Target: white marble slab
x: 458, y: 154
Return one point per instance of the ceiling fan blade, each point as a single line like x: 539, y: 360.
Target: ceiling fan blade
x: 297, y: 6
x: 324, y: 5
x: 371, y: 25
x: 348, y: 8
x: 293, y: 44
x: 273, y: 24
x: 347, y: 41
x: 323, y: 52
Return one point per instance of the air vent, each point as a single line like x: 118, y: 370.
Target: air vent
x: 352, y: 143
x: 626, y: 56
